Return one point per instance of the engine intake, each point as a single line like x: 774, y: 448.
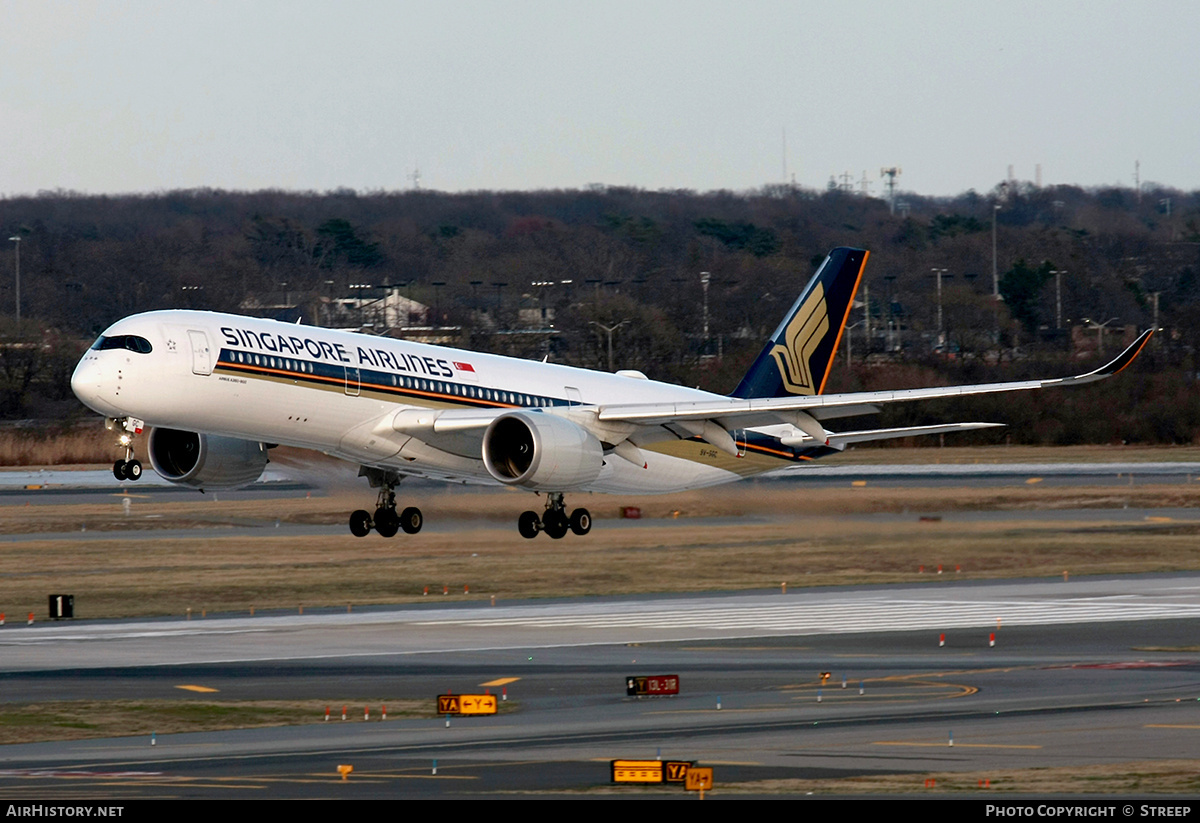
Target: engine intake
x: 206, y: 461
x: 541, y: 451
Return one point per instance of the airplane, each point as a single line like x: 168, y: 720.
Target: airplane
x: 218, y: 391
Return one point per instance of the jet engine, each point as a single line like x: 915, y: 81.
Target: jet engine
x: 541, y: 452
x: 206, y: 461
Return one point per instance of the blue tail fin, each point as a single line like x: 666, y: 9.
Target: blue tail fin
x: 798, y: 356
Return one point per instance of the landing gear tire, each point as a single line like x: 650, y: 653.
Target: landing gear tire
x: 360, y: 523
x: 555, y: 524
x: 127, y: 470
x: 386, y: 522
x: 529, y: 524
x: 411, y: 519
x: 581, y: 521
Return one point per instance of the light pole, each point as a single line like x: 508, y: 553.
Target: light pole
x: 610, y: 330
x: 939, y: 273
x: 704, y: 278
x: 892, y: 322
x: 1058, y: 297
x: 1100, y: 330
x: 16, y: 238
x: 995, y: 270
x: 541, y: 286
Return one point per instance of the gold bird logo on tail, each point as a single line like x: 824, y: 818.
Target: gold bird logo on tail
x: 801, y: 338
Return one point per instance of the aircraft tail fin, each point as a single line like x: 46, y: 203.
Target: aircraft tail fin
x: 798, y: 357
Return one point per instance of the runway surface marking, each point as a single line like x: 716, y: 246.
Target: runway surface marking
x: 203, y: 689
x: 1168, y: 726
x: 946, y: 745
x: 73, y: 773
x: 500, y: 681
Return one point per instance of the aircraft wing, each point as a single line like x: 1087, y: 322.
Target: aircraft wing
x: 736, y: 412
x: 458, y: 431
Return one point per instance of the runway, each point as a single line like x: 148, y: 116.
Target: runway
x: 616, y: 621
x: 1081, y: 673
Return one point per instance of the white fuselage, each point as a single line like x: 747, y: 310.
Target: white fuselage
x: 327, y: 390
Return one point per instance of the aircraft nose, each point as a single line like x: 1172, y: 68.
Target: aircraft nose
x: 88, y: 382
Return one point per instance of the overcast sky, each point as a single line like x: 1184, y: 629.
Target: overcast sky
x: 109, y: 97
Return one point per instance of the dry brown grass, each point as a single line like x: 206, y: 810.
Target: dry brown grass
x: 76, y: 445
x: 81, y: 719
x: 772, y: 534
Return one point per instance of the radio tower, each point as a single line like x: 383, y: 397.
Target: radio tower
x: 891, y: 174
x: 864, y: 185
x: 415, y: 178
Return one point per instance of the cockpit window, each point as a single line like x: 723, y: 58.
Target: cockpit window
x: 123, y: 341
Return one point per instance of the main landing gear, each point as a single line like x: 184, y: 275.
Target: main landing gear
x: 385, y: 520
x: 129, y: 468
x: 554, y: 521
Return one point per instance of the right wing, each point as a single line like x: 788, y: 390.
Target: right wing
x: 713, y: 419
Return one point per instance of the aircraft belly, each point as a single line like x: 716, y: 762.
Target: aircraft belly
x: 755, y: 459
x: 663, y: 474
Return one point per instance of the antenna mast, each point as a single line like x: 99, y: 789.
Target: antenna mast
x: 785, y: 174
x: 891, y: 174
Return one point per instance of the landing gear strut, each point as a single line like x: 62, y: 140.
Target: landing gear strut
x: 129, y: 468
x: 554, y: 521
x: 385, y: 520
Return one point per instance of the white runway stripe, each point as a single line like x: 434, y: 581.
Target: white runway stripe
x: 810, y: 618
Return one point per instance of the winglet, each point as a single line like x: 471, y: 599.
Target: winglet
x: 1115, y: 365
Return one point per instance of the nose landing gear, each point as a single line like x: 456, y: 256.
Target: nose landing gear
x: 129, y: 468
x: 555, y: 522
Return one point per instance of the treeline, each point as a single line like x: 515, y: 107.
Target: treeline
x: 559, y: 273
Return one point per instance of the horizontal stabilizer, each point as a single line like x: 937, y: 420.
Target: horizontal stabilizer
x: 840, y: 441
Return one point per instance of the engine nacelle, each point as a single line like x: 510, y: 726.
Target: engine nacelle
x: 541, y: 451
x: 206, y: 461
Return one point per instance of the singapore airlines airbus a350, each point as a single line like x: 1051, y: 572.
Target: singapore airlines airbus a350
x: 218, y: 391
